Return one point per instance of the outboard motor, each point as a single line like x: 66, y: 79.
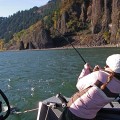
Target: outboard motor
x: 8, y: 105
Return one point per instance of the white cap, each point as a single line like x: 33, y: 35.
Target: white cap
x: 113, y: 62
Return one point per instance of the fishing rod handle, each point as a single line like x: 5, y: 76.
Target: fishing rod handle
x: 62, y: 98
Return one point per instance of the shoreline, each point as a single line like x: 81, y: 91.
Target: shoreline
x: 84, y: 46
x: 65, y: 47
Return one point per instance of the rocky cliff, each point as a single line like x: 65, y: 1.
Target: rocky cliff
x: 84, y: 22
x: 35, y: 37
x: 99, y: 19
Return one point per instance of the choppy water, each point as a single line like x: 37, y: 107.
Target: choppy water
x: 27, y: 77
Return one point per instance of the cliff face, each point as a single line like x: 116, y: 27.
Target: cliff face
x: 101, y: 17
x: 36, y: 37
x: 85, y: 22
x: 106, y: 16
x: 115, y: 24
x: 96, y: 19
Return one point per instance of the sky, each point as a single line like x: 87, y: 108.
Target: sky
x: 9, y: 7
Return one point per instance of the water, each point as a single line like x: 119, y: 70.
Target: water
x: 27, y: 77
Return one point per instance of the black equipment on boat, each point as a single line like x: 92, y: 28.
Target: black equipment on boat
x: 54, y: 105
x: 8, y: 105
x: 63, y: 100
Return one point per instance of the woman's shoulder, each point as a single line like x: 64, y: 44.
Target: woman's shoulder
x: 100, y: 75
x: 102, y: 72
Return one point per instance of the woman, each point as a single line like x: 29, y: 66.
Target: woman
x: 96, y: 89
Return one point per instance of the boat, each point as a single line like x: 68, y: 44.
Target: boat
x: 51, y: 109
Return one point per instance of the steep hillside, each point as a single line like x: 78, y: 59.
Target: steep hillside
x: 84, y: 22
x: 95, y: 22
x: 24, y: 19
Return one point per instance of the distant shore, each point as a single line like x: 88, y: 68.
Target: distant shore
x: 69, y: 47
x: 85, y: 46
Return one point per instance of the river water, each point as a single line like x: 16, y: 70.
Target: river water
x: 27, y: 77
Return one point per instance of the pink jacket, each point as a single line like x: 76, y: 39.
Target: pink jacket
x: 94, y: 99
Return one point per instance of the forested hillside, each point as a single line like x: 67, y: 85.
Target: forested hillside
x: 24, y: 19
x: 84, y: 22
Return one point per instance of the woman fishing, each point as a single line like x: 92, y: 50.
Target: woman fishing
x: 95, y: 90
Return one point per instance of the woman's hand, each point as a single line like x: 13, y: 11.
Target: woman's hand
x: 88, y: 67
x: 85, y: 71
x: 96, y: 68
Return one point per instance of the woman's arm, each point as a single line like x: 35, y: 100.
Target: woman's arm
x: 85, y: 71
x: 87, y: 77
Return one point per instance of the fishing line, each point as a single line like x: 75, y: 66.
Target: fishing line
x: 14, y: 111
x: 71, y: 45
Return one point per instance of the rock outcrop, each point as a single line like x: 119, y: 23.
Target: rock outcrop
x: 21, y: 46
x: 43, y: 39
x: 38, y: 40
x: 36, y: 37
x: 115, y: 21
x: 101, y: 17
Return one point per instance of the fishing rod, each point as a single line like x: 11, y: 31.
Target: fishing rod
x: 71, y: 45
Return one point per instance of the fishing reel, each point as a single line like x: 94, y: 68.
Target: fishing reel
x: 55, y: 105
x: 62, y: 99
x: 8, y: 105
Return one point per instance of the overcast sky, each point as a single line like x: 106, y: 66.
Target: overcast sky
x: 9, y: 7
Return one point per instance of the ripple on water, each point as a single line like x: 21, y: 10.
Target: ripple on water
x: 27, y: 77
